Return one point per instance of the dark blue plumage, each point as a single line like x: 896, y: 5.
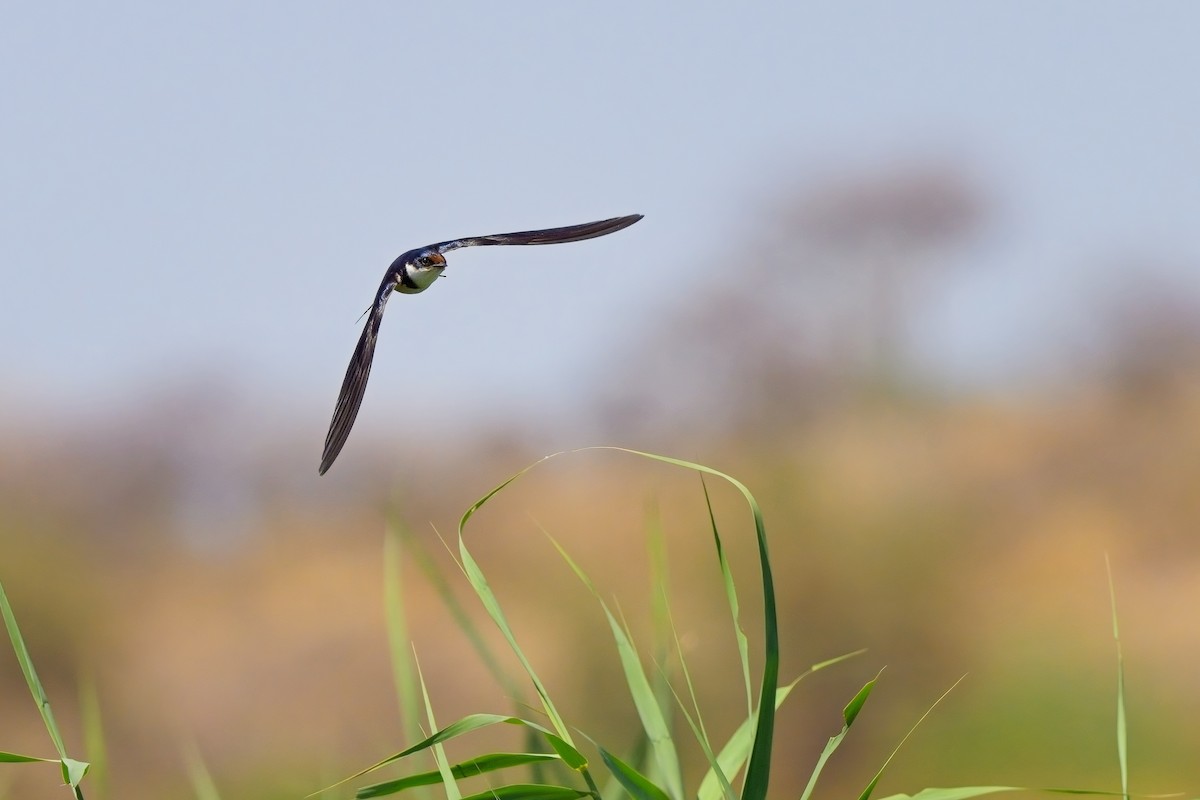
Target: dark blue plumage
x: 414, y: 272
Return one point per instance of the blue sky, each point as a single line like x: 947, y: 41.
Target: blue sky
x: 219, y: 187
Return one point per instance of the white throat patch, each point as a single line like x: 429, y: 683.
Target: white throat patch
x: 421, y: 276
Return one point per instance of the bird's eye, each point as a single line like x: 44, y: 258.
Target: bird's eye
x: 425, y: 261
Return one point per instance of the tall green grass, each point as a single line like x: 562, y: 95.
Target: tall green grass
x: 555, y: 763
x: 72, y: 769
x: 738, y: 767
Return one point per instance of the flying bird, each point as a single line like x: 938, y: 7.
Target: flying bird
x: 414, y: 272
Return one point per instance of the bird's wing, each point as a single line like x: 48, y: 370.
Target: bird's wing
x: 571, y: 233
x: 355, y: 382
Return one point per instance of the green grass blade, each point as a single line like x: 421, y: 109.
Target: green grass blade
x: 849, y: 714
x: 464, y: 622
x: 759, y: 771
x: 449, y: 785
x: 644, y: 700
x: 481, y: 502
x: 1122, y: 740
x: 72, y: 770
x: 650, y: 712
x: 531, y: 791
x: 397, y: 630
x: 661, y: 623
x: 94, y: 742
x: 638, y: 785
x: 731, y: 598
x: 479, y: 583
x: 955, y: 793
x: 461, y: 618
x: 17, y: 758
x: 561, y: 741
x: 714, y: 766
x: 473, y: 722
x: 31, y: 678
x: 820, y: 665
x: 203, y: 786
x: 660, y: 595
x: 866, y: 793
x: 967, y: 792
x: 484, y: 591
x: 737, y: 749
x: 466, y: 769
x: 612, y: 789
x: 697, y: 726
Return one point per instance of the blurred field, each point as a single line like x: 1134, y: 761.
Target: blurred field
x: 948, y: 531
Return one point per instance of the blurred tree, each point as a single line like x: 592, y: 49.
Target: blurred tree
x: 819, y: 309
x: 1147, y: 330
x: 894, y: 227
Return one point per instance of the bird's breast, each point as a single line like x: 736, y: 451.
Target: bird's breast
x: 412, y: 280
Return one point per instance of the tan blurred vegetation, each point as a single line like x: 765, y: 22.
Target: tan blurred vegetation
x: 947, y: 532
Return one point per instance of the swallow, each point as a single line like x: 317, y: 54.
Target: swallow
x: 413, y: 272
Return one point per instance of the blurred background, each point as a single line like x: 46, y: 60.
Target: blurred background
x: 925, y: 277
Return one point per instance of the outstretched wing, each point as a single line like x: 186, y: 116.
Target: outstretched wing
x: 355, y: 383
x: 571, y: 233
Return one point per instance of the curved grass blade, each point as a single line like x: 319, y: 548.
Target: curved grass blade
x: 733, y: 755
x: 664, y: 634
x: 438, y: 580
x: 697, y: 725
x: 531, y: 791
x: 479, y: 583
x: 956, y: 793
x: 561, y: 741
x: 849, y: 714
x: 866, y: 793
x: 484, y: 591
x: 449, y: 786
x: 967, y: 792
x: 638, y: 785
x: 473, y: 722
x: 31, y: 677
x: 743, y: 643
x: 644, y: 699
x: 412, y: 544
x: 73, y: 771
x: 17, y: 758
x: 759, y: 771
x: 466, y: 769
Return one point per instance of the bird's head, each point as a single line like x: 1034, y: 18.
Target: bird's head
x: 422, y: 268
